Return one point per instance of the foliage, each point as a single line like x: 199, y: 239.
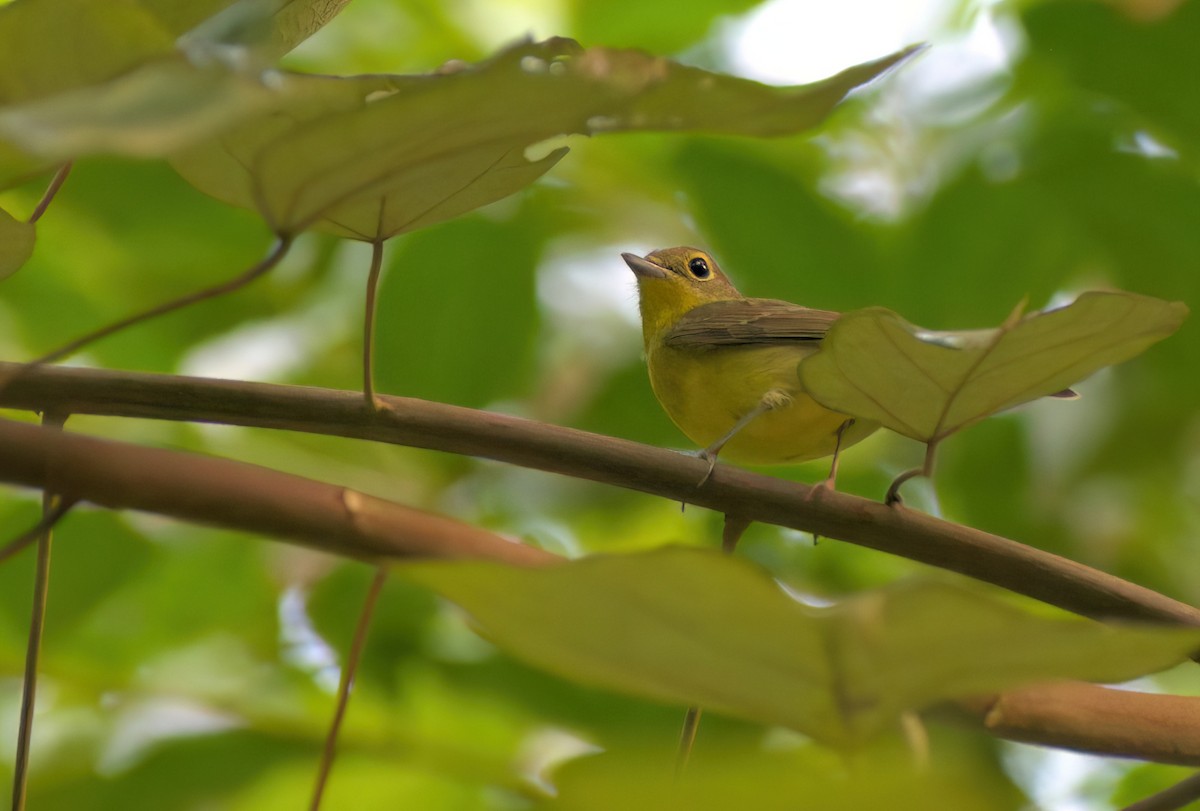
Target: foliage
x: 928, y: 385
x: 1076, y: 168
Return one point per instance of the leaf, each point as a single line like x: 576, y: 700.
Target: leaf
x: 772, y: 779
x: 263, y: 30
x: 150, y: 111
x: 48, y: 46
x: 375, y: 156
x: 16, y: 243
x: 697, y: 628
x: 926, y: 385
x: 80, y: 77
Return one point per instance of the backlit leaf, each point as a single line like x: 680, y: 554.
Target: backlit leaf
x: 264, y: 29
x: 765, y: 780
x: 150, y: 111
x: 694, y: 627
x: 81, y: 77
x: 926, y: 385
x: 375, y: 156
x: 16, y: 243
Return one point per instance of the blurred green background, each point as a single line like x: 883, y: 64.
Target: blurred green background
x: 1037, y: 149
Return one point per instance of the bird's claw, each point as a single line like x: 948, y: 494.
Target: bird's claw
x: 711, y: 458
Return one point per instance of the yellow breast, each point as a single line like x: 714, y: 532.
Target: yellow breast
x: 705, y: 392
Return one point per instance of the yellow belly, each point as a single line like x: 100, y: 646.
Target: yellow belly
x: 705, y: 393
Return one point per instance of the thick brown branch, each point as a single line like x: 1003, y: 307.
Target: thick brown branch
x: 223, y: 493
x: 899, y: 531
x: 253, y: 499
x: 1094, y: 719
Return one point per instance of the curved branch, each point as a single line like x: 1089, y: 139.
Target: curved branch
x: 240, y: 496
x: 246, y: 497
x: 1094, y: 719
x: 418, y: 423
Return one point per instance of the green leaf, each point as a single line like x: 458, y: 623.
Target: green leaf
x: 376, y: 156
x: 770, y: 779
x: 47, y: 46
x: 926, y: 385
x: 16, y: 243
x: 694, y: 627
x: 82, y: 77
x: 152, y: 110
x: 262, y: 29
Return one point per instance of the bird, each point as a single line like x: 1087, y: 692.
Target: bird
x: 724, y: 367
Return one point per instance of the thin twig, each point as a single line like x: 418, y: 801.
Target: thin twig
x: 369, y: 324
x: 33, y: 645
x: 277, y: 252
x: 687, y: 739
x: 892, y: 497
x: 346, y: 684
x: 26, y: 538
x: 56, y: 183
x: 731, y: 532
x: 1180, y: 795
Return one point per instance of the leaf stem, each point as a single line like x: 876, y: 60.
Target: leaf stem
x: 892, y: 498
x: 369, y: 325
x: 687, y: 739
x: 277, y: 252
x: 56, y: 183
x: 1180, y: 795
x: 33, y: 645
x: 731, y: 533
x: 346, y: 683
x: 49, y: 519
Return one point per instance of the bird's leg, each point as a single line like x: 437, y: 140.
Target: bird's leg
x: 770, y: 401
x: 828, y: 482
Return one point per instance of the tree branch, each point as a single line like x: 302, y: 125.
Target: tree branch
x: 418, y: 423
x: 249, y: 498
x: 236, y: 495
x: 1094, y: 719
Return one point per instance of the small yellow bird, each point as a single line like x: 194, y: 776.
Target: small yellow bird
x: 725, y: 366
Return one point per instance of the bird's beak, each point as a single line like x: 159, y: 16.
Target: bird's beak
x: 644, y: 268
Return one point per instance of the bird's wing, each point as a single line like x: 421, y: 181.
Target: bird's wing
x: 749, y: 321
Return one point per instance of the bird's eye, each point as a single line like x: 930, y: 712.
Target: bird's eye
x: 699, y: 268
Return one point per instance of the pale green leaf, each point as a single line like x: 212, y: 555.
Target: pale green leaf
x: 80, y: 77
x: 771, y: 779
x: 926, y: 385
x: 694, y: 627
x: 263, y: 30
x: 16, y: 243
x: 373, y: 157
x: 47, y: 46
x: 150, y: 111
